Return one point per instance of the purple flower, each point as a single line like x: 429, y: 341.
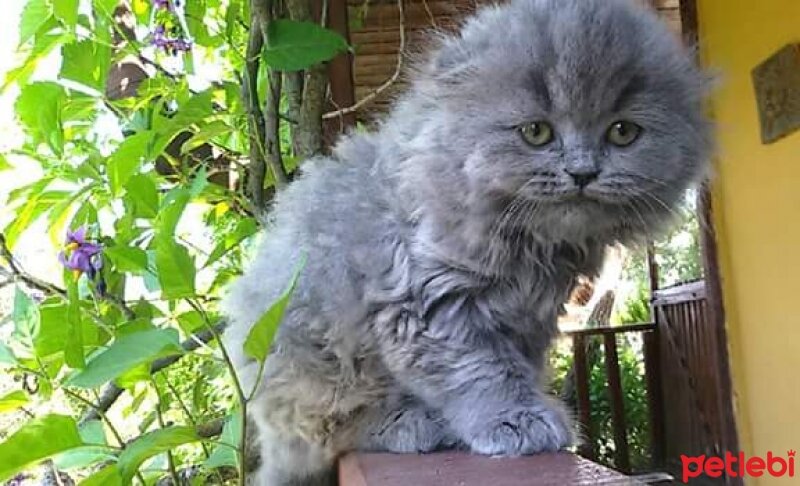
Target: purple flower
x: 163, y: 4
x: 80, y: 255
x: 170, y: 45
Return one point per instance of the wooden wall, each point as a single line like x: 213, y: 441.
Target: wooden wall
x: 375, y: 34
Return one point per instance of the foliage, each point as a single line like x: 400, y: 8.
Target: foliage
x: 123, y: 177
x: 634, y: 399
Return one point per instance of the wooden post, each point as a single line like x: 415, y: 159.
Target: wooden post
x: 582, y: 392
x: 621, y: 457
x: 655, y: 400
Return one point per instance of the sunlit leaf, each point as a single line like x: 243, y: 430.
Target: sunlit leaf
x: 127, y: 259
x: 195, y: 15
x: 37, y: 440
x: 34, y: 15
x: 125, y: 353
x: 73, y: 345
x: 12, y: 401
x: 175, y: 270
x: 261, y: 334
x: 53, y: 334
x: 37, y: 204
x: 172, y: 207
x: 293, y: 45
x: 43, y: 45
x: 7, y: 357
x: 39, y: 109
x: 86, y: 62
x: 84, y: 456
x: 4, y: 165
x: 26, y: 317
x: 244, y: 229
x: 142, y: 192
x: 205, y: 134
x: 151, y: 444
x: 127, y: 160
x: 108, y: 476
x: 66, y: 11
x: 92, y: 432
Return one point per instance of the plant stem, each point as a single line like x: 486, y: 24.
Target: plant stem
x: 159, y: 414
x: 239, y: 391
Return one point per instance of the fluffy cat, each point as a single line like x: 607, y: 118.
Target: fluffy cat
x: 441, y: 246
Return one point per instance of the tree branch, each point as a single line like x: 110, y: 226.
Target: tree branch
x: 307, y: 134
x: 257, y: 168
x: 272, y: 137
x: 293, y: 89
x: 19, y: 273
x: 386, y: 84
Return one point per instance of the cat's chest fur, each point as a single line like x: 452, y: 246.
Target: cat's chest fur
x: 522, y: 301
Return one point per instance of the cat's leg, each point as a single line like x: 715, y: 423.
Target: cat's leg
x: 406, y: 426
x: 289, y: 460
x: 486, y: 389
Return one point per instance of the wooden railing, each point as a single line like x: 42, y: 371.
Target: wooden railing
x: 580, y: 341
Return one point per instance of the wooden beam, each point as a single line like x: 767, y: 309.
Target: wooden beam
x: 340, y: 72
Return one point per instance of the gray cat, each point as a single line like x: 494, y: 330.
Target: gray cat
x: 441, y: 247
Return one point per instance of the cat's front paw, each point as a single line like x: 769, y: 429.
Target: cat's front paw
x: 523, y: 430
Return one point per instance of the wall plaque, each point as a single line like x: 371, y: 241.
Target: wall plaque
x: 777, y: 86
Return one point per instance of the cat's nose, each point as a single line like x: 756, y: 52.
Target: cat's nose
x: 583, y: 176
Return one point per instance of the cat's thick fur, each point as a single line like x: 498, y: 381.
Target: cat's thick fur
x: 441, y: 246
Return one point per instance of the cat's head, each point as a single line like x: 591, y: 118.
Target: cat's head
x: 576, y: 118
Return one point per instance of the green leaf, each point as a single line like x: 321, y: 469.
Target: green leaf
x: 125, y: 353
x: 225, y: 454
x: 37, y: 204
x: 82, y: 457
x: 104, y: 8
x: 92, y: 432
x: 175, y: 270
x: 66, y: 11
x: 4, y: 164
x: 39, y: 109
x: 244, y: 229
x: 13, y: 401
x: 34, y: 15
x: 43, y: 44
x: 261, y: 334
x: 108, y: 476
x: 53, y: 334
x: 36, y: 441
x: 7, y: 356
x: 151, y: 444
x: 142, y: 192
x: 73, y: 345
x: 172, y: 207
x: 292, y: 45
x: 26, y: 317
x: 127, y: 160
x: 86, y: 62
x: 205, y: 134
x: 127, y: 259
x: 195, y: 15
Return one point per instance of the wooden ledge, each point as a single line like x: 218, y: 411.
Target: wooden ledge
x: 452, y: 468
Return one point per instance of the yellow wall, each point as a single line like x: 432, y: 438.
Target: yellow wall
x: 757, y: 212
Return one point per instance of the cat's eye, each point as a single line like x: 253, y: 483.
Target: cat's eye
x: 537, y: 134
x: 623, y: 133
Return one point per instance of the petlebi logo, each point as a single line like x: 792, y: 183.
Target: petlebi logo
x: 738, y: 466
